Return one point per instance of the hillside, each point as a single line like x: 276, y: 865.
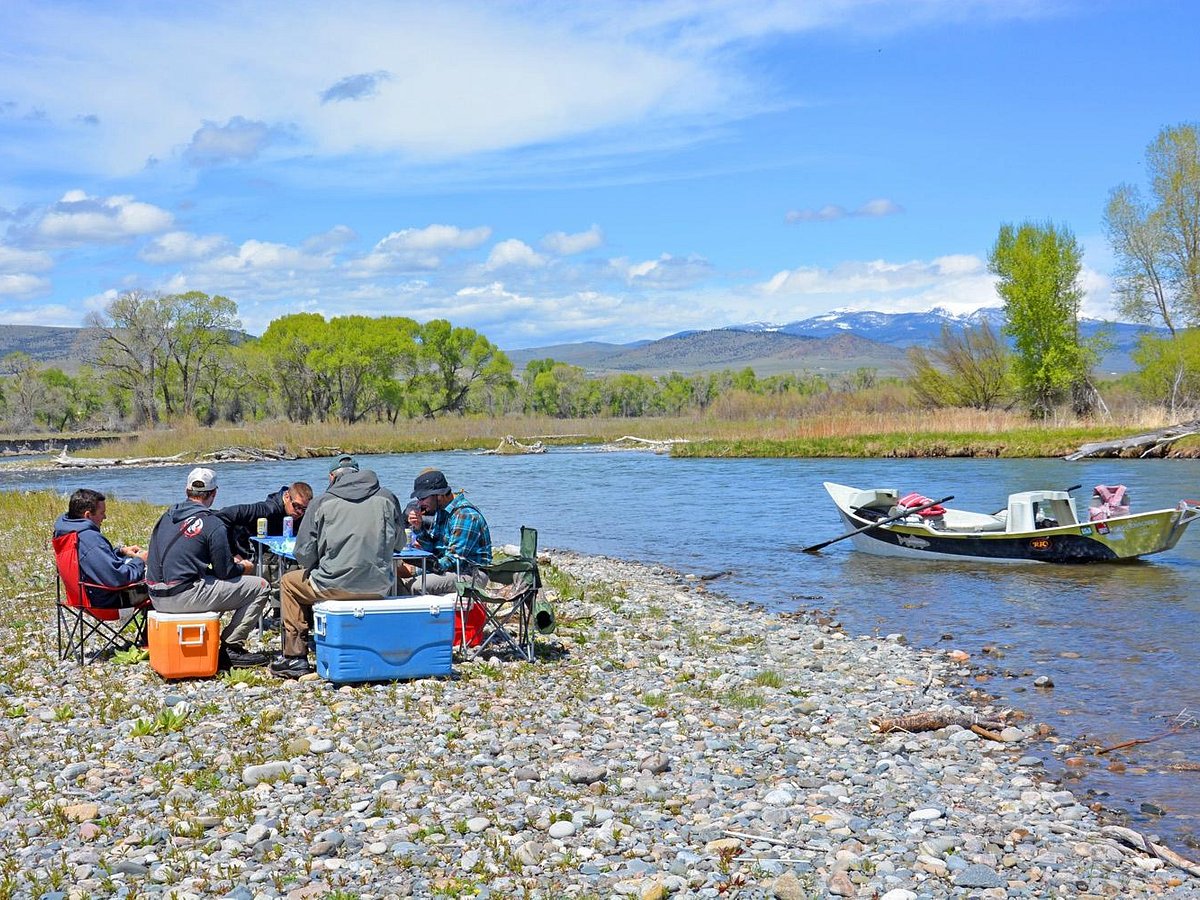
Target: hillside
x: 767, y: 352
x: 42, y: 343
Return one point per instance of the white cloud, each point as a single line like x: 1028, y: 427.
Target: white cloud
x: 333, y: 239
x: 513, y: 252
x: 79, y: 218
x: 563, y: 244
x: 180, y: 246
x: 266, y: 256
x: 22, y: 284
x: 958, y: 283
x: 17, y: 261
x: 665, y: 272
x: 55, y: 314
x: 238, y: 140
x: 419, y: 248
x: 872, y: 209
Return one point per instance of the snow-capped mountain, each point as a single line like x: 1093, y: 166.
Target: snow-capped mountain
x: 924, y: 328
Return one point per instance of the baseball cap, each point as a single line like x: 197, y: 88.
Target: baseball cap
x: 429, y: 484
x: 201, y: 479
x: 345, y: 461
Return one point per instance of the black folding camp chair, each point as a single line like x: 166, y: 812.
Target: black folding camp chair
x: 508, y: 602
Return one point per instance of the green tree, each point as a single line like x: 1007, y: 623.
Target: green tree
x: 968, y: 367
x: 1169, y: 369
x: 1038, y: 267
x: 454, y: 362
x: 132, y: 350
x: 1157, y: 241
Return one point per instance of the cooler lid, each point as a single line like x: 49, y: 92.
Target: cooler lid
x: 429, y: 603
x: 156, y: 616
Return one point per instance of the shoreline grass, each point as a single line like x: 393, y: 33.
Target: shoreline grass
x: 846, y: 433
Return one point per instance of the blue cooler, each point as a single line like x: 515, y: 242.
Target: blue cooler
x: 384, y: 640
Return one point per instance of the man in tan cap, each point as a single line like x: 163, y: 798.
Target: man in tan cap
x: 192, y: 568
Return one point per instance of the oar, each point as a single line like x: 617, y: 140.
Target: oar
x: 908, y: 512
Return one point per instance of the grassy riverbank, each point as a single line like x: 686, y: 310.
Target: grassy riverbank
x: 735, y: 433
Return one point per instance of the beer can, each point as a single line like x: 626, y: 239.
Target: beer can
x: 262, y: 527
x: 287, y: 526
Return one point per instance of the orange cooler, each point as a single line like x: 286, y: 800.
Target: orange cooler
x: 184, y: 645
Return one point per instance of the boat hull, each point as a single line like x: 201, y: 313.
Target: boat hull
x: 1114, y: 540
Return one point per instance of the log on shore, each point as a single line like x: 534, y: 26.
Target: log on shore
x: 629, y: 442
x: 80, y: 462
x: 934, y: 720
x: 510, y: 446
x: 245, y: 454
x: 1140, y: 446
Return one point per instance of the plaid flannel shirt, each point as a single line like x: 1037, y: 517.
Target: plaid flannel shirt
x: 459, y: 533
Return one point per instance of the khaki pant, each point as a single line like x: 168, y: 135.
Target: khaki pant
x: 245, y: 597
x: 296, y: 595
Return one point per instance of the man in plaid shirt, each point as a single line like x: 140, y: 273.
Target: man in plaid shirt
x: 459, y: 539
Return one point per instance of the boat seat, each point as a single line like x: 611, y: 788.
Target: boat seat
x: 972, y: 523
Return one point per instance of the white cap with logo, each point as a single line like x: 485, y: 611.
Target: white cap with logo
x: 202, y: 479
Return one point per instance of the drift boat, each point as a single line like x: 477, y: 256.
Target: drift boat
x: 1037, y: 526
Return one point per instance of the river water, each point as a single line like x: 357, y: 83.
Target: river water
x: 1118, y: 641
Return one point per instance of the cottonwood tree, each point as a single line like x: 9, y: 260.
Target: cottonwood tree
x: 456, y: 363
x: 1038, y: 267
x: 160, y: 346
x: 966, y: 367
x: 1156, y: 241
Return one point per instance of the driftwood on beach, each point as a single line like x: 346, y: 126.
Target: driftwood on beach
x: 80, y: 462
x: 932, y: 720
x: 246, y: 454
x: 629, y: 442
x: 1141, y: 446
x: 510, y: 446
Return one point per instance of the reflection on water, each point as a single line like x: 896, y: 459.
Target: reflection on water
x: 1118, y: 641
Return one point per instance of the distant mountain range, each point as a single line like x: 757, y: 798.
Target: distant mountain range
x: 829, y: 343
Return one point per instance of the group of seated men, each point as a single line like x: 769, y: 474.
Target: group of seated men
x: 198, y: 558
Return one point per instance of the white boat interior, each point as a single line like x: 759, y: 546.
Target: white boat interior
x: 1026, y: 511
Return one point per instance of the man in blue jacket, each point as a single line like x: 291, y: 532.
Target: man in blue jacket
x: 192, y: 568
x: 99, y: 561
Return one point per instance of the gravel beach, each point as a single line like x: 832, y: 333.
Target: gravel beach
x: 669, y: 743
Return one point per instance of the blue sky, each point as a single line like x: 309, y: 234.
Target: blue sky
x: 556, y: 172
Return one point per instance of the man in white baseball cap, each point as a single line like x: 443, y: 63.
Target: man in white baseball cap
x: 192, y: 568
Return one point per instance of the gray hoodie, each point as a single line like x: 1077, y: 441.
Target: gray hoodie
x: 349, y: 534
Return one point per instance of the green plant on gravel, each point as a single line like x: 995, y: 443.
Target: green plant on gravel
x: 64, y: 713
x: 16, y: 711
x: 142, y: 728
x: 340, y: 895
x: 455, y: 887
x: 250, y: 677
x: 654, y: 700
x: 769, y: 678
x: 741, y: 699
x: 131, y: 656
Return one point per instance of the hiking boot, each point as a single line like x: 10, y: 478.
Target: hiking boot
x: 236, y: 656
x: 291, y: 666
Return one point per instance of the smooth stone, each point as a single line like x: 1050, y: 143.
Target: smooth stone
x: 478, y: 824
x: 978, y: 875
x: 562, y: 829
x: 587, y: 774
x: 320, y: 745
x: 81, y: 812
x: 788, y: 887
x: 270, y: 771
x: 925, y: 815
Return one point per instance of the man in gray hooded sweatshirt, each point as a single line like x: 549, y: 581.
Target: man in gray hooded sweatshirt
x: 344, y: 548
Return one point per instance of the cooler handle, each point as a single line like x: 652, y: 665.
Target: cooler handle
x: 319, y: 624
x: 200, y: 627
x: 435, y: 609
